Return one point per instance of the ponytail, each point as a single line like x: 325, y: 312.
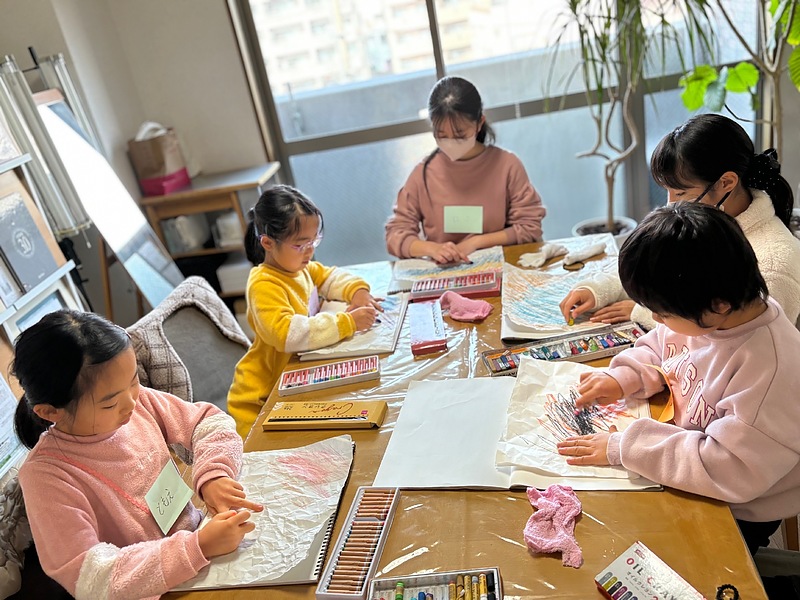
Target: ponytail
x: 28, y: 425
x: 764, y: 173
x: 252, y: 242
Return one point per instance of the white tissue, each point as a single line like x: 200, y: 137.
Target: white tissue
x: 149, y: 130
x: 537, y: 259
x: 584, y: 253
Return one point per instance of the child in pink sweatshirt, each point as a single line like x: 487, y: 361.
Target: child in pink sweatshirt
x: 731, y: 360
x: 98, y: 442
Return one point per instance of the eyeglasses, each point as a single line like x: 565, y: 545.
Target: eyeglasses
x: 308, y: 245
x: 708, y: 189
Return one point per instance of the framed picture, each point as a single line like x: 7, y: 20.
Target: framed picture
x: 55, y: 297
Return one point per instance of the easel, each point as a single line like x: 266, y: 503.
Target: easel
x: 105, y: 264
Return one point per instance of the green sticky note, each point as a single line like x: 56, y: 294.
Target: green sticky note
x: 463, y: 219
x: 168, y: 496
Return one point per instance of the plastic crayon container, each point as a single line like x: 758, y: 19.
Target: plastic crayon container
x: 358, y: 549
x: 468, y: 584
x: 575, y: 347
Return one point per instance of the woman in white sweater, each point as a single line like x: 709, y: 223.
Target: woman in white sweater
x: 711, y: 159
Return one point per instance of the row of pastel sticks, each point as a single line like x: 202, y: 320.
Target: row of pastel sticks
x: 360, y: 543
x: 578, y: 348
x: 470, y: 585
x: 484, y: 279
x: 331, y: 374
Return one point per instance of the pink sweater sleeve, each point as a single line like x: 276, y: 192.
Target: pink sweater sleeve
x: 71, y: 553
x: 634, y: 368
x: 525, y: 211
x: 202, y: 428
x: 403, y: 227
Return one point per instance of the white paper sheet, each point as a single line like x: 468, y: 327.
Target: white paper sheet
x: 541, y: 412
x: 447, y: 435
x: 380, y: 338
x: 300, y: 490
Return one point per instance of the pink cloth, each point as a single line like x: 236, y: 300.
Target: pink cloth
x: 85, y: 498
x: 494, y: 180
x: 552, y: 527
x: 465, y: 309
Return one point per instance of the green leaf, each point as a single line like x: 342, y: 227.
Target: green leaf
x: 794, y: 29
x: 695, y: 83
x: 794, y: 68
x: 701, y: 73
x: 742, y: 77
x: 714, y: 98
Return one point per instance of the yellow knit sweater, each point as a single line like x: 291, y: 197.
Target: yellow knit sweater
x: 277, y: 310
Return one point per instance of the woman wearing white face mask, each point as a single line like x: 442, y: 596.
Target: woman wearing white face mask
x: 467, y: 194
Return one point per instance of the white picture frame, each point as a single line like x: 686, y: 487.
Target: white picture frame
x: 56, y: 296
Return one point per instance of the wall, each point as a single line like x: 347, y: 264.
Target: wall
x: 790, y: 161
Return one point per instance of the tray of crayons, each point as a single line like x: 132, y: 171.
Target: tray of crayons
x: 469, y: 584
x: 358, y: 549
x: 344, y: 372
x: 475, y: 285
x: 576, y: 347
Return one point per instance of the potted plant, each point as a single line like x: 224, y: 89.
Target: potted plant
x: 617, y: 39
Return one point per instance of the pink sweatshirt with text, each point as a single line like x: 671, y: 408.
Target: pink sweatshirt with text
x: 737, y: 414
x: 85, y: 498
x: 495, y: 180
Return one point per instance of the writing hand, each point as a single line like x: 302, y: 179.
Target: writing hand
x: 597, y: 387
x: 223, y: 493
x: 577, y: 302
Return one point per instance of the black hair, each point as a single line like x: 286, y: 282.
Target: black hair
x: 685, y: 256
x: 453, y: 99
x: 276, y: 215
x: 707, y: 146
x: 51, y: 361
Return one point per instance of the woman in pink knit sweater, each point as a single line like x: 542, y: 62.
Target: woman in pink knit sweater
x: 467, y: 194
x: 98, y: 443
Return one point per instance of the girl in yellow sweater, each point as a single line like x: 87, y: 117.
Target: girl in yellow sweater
x: 283, y: 295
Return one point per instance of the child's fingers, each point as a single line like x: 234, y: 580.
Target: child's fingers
x: 250, y: 505
x: 248, y: 527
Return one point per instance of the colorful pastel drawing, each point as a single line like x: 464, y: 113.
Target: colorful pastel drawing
x: 412, y: 269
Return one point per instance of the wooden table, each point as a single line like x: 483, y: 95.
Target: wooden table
x: 456, y: 530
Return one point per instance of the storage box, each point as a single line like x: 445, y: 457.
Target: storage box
x: 159, y: 164
x: 233, y: 273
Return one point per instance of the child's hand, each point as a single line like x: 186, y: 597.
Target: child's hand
x: 576, y: 303
x: 361, y: 298
x: 587, y: 449
x: 597, y: 387
x: 447, y: 253
x: 224, y: 533
x: 364, y: 317
x: 223, y: 493
x: 469, y: 245
x: 618, y: 312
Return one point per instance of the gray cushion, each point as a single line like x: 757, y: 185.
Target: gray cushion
x: 209, y: 356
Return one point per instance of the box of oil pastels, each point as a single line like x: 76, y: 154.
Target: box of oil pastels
x: 576, y: 347
x: 469, y: 584
x: 355, y: 557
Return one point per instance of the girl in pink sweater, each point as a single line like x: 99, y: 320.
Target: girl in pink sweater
x: 467, y: 194
x: 98, y: 443
x: 731, y: 360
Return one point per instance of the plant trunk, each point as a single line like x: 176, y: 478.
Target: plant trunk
x: 777, y: 116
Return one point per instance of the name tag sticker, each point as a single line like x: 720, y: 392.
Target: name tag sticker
x: 463, y: 219
x: 168, y: 497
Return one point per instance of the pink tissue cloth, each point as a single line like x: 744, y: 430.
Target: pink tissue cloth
x: 465, y: 309
x: 552, y: 527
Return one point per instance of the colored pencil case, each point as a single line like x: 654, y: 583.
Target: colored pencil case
x: 344, y: 372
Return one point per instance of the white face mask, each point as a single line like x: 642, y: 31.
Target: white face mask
x: 455, y: 149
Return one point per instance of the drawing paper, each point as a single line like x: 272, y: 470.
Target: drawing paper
x: 300, y: 490
x: 447, y: 435
x: 405, y: 272
x: 381, y: 338
x: 531, y: 297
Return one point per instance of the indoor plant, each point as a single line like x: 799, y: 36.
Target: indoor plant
x: 617, y: 40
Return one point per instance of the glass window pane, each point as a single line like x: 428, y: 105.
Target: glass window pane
x: 505, y: 47
x: 340, y: 65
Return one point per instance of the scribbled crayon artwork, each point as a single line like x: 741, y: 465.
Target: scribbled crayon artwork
x: 542, y: 412
x: 531, y: 297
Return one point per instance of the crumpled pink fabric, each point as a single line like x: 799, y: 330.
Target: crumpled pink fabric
x: 552, y: 527
x: 465, y: 309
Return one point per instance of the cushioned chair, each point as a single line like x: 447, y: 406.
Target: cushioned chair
x: 189, y: 344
